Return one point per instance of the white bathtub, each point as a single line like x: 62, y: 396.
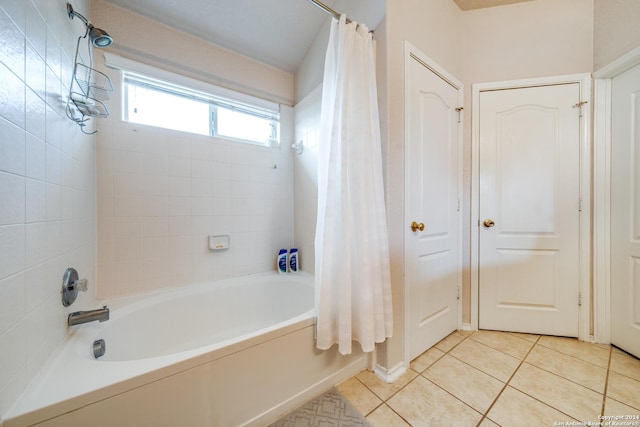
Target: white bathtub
x: 228, y: 353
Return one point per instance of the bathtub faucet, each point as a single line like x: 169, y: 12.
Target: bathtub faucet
x: 79, y: 317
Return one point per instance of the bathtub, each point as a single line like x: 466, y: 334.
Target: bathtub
x: 229, y: 353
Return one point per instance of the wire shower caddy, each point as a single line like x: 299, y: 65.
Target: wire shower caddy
x: 88, y: 90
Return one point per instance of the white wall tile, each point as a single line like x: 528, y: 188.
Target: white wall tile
x: 36, y: 286
x: 180, y: 166
x: 36, y: 244
x: 35, y: 157
x: 12, y: 97
x: 13, y: 300
x: 127, y: 250
x: 12, y: 194
x: 11, y: 361
x: 180, y: 225
x: 12, y: 249
x: 12, y: 42
x: 12, y: 148
x: 127, y: 228
x: 35, y: 108
x: 155, y: 205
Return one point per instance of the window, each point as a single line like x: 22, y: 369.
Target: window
x: 156, y: 103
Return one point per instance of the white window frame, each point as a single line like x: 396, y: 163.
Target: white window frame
x: 216, y: 96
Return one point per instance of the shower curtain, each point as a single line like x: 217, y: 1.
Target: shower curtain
x: 353, y: 290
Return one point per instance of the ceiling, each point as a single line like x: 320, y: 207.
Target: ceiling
x: 276, y: 32
x: 479, y: 4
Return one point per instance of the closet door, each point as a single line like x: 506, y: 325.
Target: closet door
x: 625, y: 211
x: 529, y: 208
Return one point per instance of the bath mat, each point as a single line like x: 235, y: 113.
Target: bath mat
x: 328, y: 410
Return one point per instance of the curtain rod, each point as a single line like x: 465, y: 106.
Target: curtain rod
x: 327, y: 9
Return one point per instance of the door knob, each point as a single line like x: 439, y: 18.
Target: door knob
x: 488, y: 223
x: 415, y: 226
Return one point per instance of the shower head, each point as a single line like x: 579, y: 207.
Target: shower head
x: 98, y: 37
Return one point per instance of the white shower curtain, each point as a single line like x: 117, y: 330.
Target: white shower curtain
x: 353, y: 290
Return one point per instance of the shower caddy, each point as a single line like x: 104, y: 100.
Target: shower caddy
x: 89, y: 87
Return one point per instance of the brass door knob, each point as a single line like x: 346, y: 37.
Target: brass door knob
x: 415, y: 226
x: 488, y: 223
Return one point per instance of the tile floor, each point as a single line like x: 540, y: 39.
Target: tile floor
x: 488, y: 378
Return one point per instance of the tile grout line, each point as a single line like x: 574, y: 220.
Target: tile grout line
x: 506, y: 384
x: 419, y: 374
x: 606, y: 381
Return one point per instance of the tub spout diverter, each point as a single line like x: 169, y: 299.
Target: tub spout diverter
x: 79, y: 317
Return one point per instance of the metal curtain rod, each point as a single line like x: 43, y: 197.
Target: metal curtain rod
x: 327, y: 9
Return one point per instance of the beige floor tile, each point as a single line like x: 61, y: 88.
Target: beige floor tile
x: 426, y: 359
x: 624, y: 389
x: 465, y: 333
x: 384, y: 416
x: 488, y: 423
x: 422, y: 403
x: 514, y: 408
x: 597, y: 354
x: 506, y: 343
x: 450, y: 341
x: 574, y: 400
x: 490, y: 361
x: 528, y: 337
x: 569, y: 367
x: 465, y: 382
x: 613, y: 407
x: 625, y: 364
x: 360, y: 397
x: 382, y: 389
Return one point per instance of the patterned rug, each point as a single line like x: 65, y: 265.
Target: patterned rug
x: 329, y: 410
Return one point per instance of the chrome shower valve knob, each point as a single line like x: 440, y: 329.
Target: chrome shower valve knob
x: 71, y: 284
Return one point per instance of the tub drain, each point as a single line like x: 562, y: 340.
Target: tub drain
x: 99, y: 347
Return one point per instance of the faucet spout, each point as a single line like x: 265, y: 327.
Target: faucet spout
x: 79, y: 317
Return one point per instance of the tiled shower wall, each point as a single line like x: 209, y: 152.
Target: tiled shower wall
x: 161, y: 193
x: 307, y: 124
x: 47, y: 187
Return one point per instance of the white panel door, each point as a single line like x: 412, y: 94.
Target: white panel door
x: 432, y: 257
x: 625, y: 211
x: 529, y: 209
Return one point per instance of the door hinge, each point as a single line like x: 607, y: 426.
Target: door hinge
x: 579, y: 106
x: 580, y: 203
x: 458, y: 204
x: 459, y: 111
x: 579, y: 299
x: 458, y: 296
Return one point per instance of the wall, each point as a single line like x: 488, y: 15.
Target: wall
x: 434, y: 27
x: 307, y: 124
x: 146, y: 40
x: 616, y: 30
x: 531, y: 39
x: 161, y: 193
x: 47, y: 181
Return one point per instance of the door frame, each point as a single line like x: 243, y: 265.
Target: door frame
x: 410, y: 51
x: 584, y: 80
x: 602, y: 191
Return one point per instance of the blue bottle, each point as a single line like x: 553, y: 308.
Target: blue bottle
x: 282, y: 261
x: 293, y: 260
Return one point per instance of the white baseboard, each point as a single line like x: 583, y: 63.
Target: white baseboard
x: 390, y: 375
x: 467, y: 327
x: 274, y: 413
